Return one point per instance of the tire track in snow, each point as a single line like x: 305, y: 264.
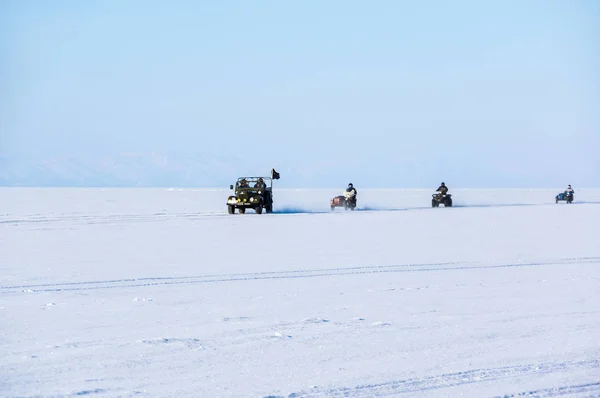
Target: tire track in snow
x: 558, y: 391
x: 86, y: 219
x: 447, y: 380
x: 236, y: 276
x: 292, y: 274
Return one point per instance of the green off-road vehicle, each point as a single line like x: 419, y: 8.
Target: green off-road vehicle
x: 252, y: 193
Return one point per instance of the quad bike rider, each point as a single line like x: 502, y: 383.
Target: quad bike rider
x: 570, y: 190
x: 443, y: 189
x: 441, y: 197
x: 350, y: 196
x: 347, y: 200
x: 567, y: 195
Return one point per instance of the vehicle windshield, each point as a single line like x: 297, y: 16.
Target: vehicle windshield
x: 250, y: 184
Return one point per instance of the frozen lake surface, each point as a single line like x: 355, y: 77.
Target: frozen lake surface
x: 159, y: 292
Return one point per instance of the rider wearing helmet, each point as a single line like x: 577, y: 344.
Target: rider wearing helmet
x: 569, y: 190
x: 350, y: 193
x: 443, y: 189
x: 351, y: 188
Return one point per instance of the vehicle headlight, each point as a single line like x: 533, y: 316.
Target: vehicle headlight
x: 259, y: 192
x: 251, y: 199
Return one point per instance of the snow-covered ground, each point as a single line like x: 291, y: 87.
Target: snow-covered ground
x: 122, y: 292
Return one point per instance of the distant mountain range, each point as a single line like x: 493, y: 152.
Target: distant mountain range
x: 207, y: 170
x: 122, y: 170
x: 175, y: 169
x: 152, y: 169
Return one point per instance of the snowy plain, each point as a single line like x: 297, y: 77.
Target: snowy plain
x: 160, y: 292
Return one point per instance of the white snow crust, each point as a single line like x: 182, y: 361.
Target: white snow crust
x: 160, y: 292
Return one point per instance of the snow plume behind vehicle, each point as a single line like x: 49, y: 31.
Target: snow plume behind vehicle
x: 381, y: 200
x: 295, y: 210
x: 375, y: 208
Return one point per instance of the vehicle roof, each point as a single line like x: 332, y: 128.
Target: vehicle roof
x: 253, y: 178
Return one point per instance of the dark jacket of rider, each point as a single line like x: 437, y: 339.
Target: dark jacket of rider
x: 351, y: 189
x: 443, y: 189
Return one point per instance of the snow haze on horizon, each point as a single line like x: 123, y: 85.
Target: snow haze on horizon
x: 389, y: 94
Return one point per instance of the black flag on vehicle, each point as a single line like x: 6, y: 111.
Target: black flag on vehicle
x: 274, y: 174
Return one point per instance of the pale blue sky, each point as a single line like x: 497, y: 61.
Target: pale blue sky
x: 477, y: 93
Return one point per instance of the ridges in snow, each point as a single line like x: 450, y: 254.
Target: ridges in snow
x: 397, y: 387
x: 292, y: 274
x: 579, y: 389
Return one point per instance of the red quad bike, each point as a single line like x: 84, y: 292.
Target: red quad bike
x: 347, y: 201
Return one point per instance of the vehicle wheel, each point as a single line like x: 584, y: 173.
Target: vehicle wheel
x: 332, y: 208
x: 242, y: 210
x: 449, y: 203
x: 556, y: 201
x: 258, y: 210
x: 269, y: 208
x: 433, y: 203
x: 230, y: 209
